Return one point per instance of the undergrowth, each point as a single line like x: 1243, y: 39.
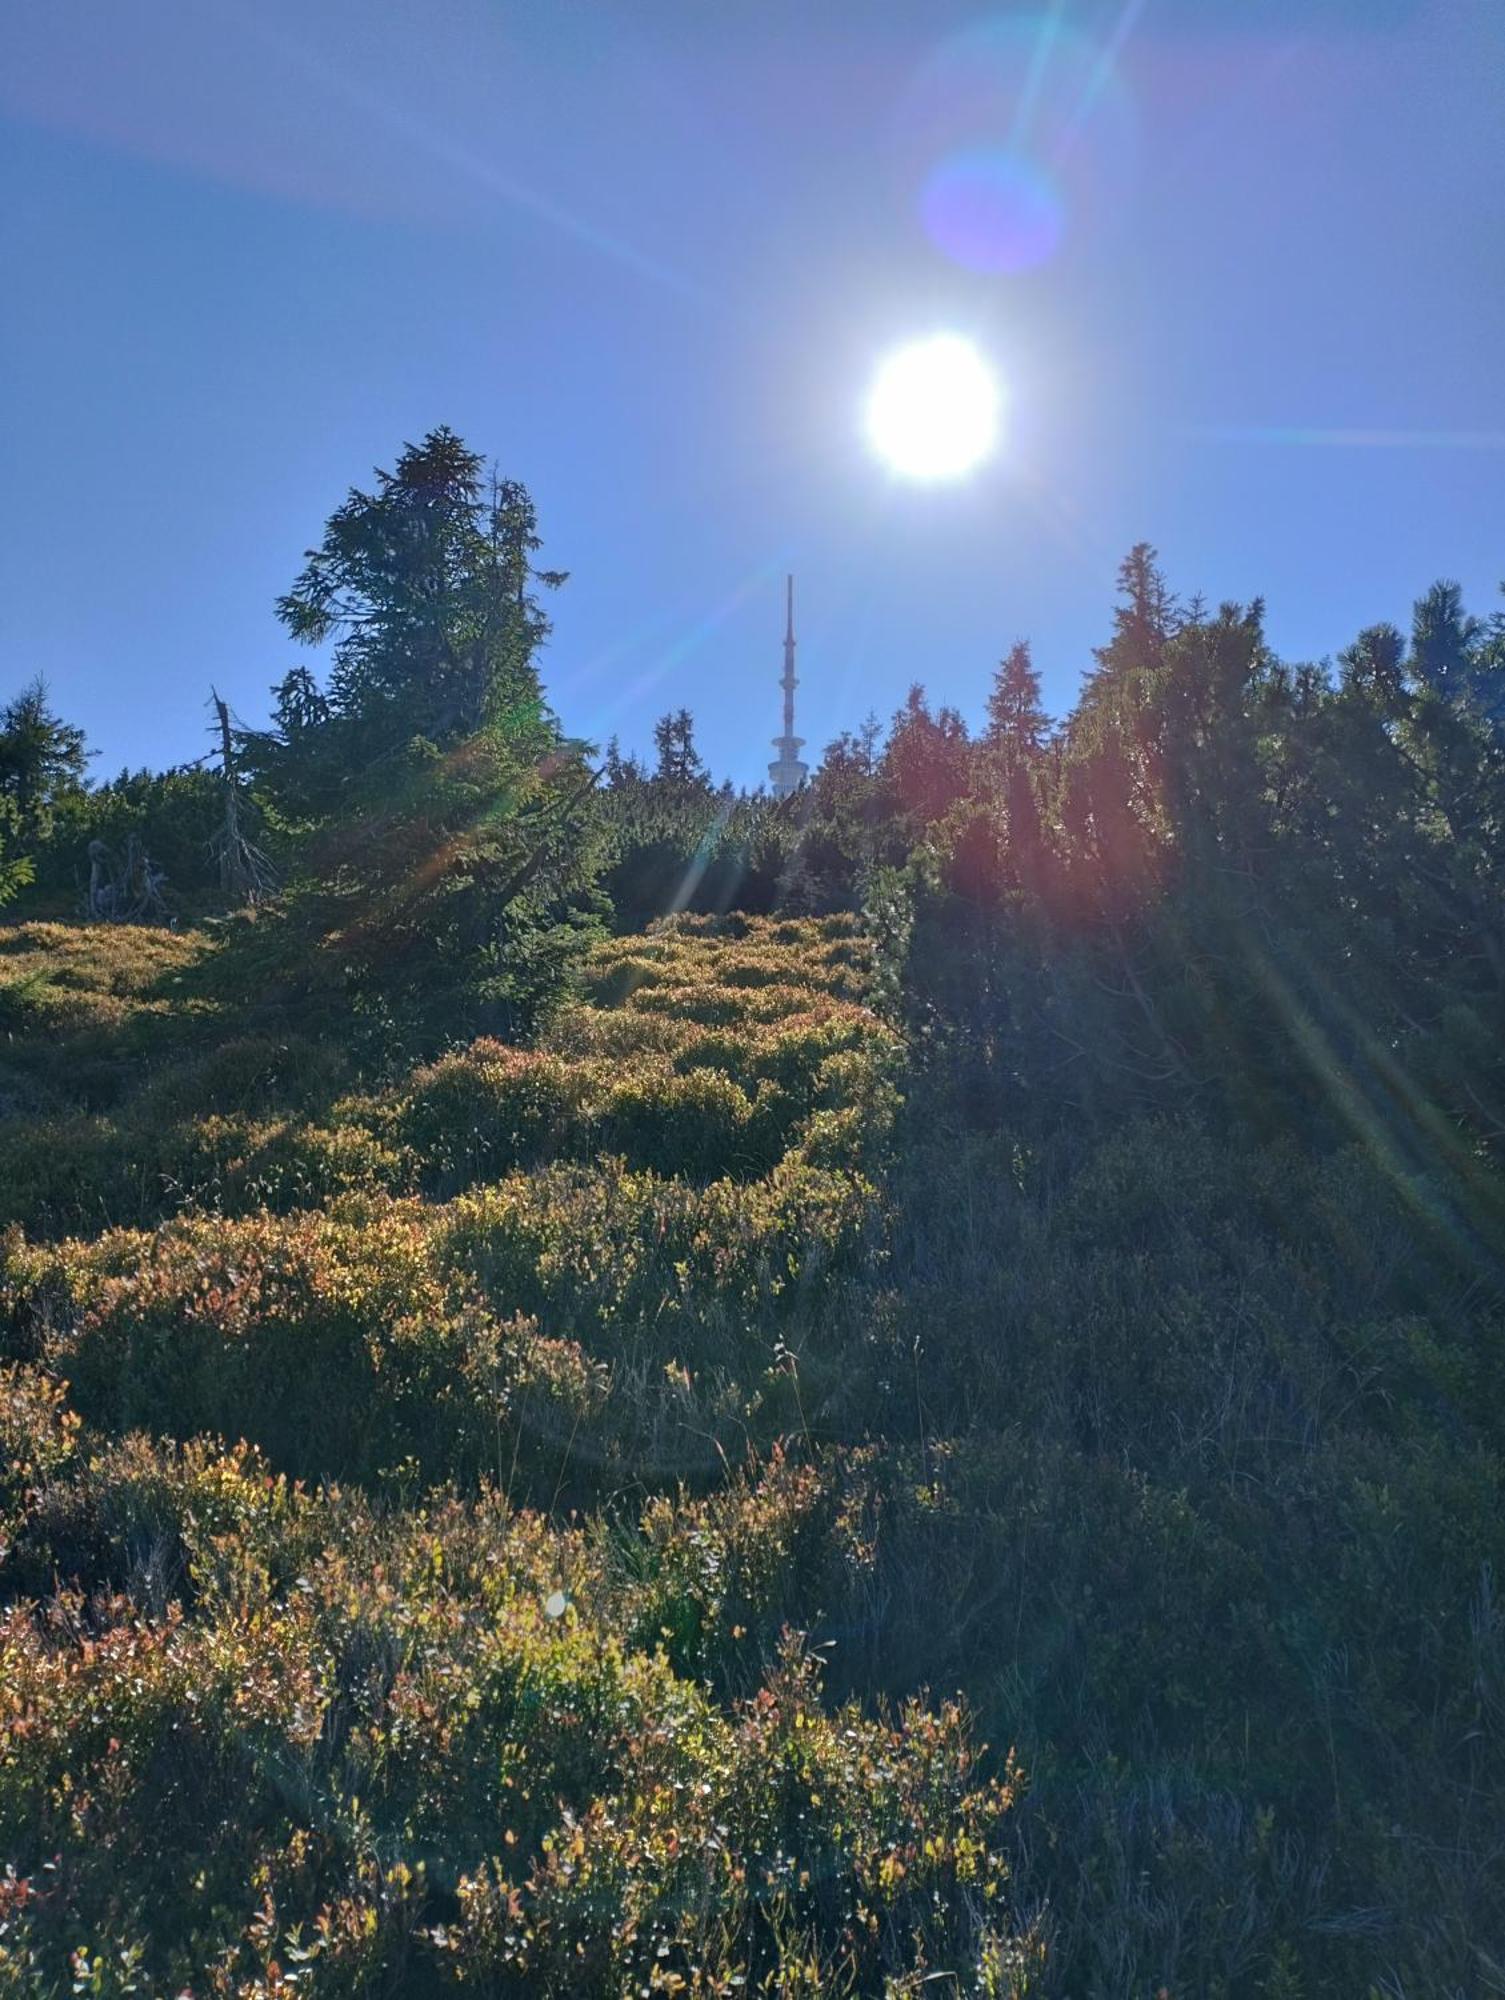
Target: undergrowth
x: 729, y: 1498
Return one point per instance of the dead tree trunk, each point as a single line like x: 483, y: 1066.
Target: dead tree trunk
x: 245, y: 874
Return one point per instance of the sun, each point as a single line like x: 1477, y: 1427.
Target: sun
x: 933, y: 409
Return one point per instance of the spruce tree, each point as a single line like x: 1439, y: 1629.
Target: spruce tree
x: 679, y: 762
x: 42, y: 760
x: 444, y: 808
x: 1017, y: 724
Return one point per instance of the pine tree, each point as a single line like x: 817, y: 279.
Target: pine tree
x: 16, y: 869
x: 927, y: 757
x: 620, y: 771
x: 1445, y: 642
x: 1119, y: 688
x: 1147, y: 616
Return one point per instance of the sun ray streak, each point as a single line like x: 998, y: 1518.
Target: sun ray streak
x: 690, y: 642
x: 514, y: 192
x: 1039, y: 62
x: 1097, y: 82
x: 1381, y: 440
x: 1406, y: 1135
x: 700, y: 860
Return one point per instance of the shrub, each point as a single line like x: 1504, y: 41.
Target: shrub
x: 38, y: 1436
x: 693, y: 1124
x: 482, y: 1111
x: 338, y: 1347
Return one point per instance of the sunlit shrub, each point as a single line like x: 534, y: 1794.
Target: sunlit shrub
x: 160, y: 1523
x: 122, y: 961
x: 692, y: 1124
x: 611, y: 980
x: 338, y: 1347
x: 557, y: 1810
x: 273, y: 1734
x: 487, y: 1109
x: 38, y: 1436
x: 607, y: 1255
x: 239, y: 1166
x: 808, y: 1841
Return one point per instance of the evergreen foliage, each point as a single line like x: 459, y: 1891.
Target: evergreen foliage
x: 674, y: 842
x: 679, y: 762
x: 436, y: 812
x: 42, y: 761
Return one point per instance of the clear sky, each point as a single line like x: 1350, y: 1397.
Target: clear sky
x: 1241, y: 264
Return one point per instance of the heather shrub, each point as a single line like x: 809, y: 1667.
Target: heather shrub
x: 197, y: 1790
x: 613, y: 979
x: 608, y: 1256
x: 65, y: 1174
x: 693, y: 1124
x: 160, y: 1523
x: 69, y: 1172
x: 239, y: 1166
x: 482, y: 1111
x: 247, y: 1075
x: 716, y: 1578
x: 337, y: 1347
x: 38, y: 1436
x: 719, y: 1007
x: 811, y: 1853
x: 99, y: 962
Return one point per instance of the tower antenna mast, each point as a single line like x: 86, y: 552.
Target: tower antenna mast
x: 787, y: 773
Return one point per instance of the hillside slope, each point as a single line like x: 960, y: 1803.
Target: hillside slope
x: 519, y: 1522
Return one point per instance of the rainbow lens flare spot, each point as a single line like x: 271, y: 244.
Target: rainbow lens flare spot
x: 992, y: 211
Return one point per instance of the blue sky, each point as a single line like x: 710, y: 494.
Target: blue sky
x: 647, y: 255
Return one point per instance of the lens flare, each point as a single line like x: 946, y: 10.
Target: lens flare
x: 933, y: 409
x: 992, y: 211
x: 1017, y: 136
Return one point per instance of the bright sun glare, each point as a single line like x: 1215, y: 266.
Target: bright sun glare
x: 933, y: 409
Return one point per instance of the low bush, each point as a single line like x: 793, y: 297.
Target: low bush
x: 482, y: 1111
x: 413, y: 1750
x: 337, y: 1347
